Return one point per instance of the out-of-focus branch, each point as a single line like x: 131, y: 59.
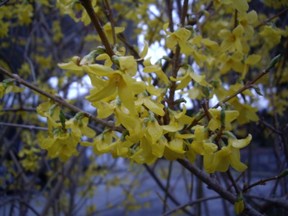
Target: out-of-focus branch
x: 191, y: 203
x: 263, y: 181
x: 30, y: 127
x: 161, y: 186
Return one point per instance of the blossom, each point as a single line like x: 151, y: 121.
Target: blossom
x: 232, y: 40
x: 180, y: 37
x: 109, y: 32
x: 202, y: 145
x: 247, y: 20
x: 118, y: 83
x: 216, y: 121
x: 229, y: 62
x: 229, y: 156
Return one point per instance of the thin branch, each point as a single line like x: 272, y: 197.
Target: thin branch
x: 262, y: 182
x: 191, y: 203
x: 58, y: 100
x: 232, y: 198
x: 109, y: 15
x: 30, y: 127
x: 95, y: 20
x: 161, y: 186
x: 271, y: 18
x: 20, y: 109
x: 3, y: 3
x: 279, y: 202
x: 167, y: 186
x: 22, y: 202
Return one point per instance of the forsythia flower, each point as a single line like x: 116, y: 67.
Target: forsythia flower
x: 232, y: 40
x: 228, y: 156
x: 118, y: 83
x: 216, y: 122
x: 63, y: 136
x: 247, y: 20
x: 109, y: 33
x: 180, y: 37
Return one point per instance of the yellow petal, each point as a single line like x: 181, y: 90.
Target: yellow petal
x: 159, y: 147
x: 221, y: 159
x: 154, y: 107
x: 144, y: 51
x: 240, y: 5
x: 240, y: 143
x: 128, y: 65
x: 235, y: 161
x: 253, y: 59
x: 154, y: 130
x: 108, y: 90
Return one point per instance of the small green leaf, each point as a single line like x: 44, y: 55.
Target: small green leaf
x: 257, y: 89
x: 222, y: 118
x: 283, y: 173
x: 62, y: 119
x: 274, y: 61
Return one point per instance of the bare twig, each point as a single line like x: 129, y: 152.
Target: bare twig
x: 167, y: 186
x: 161, y: 186
x: 262, y: 182
x: 109, y: 15
x: 30, y: 127
x: 191, y: 203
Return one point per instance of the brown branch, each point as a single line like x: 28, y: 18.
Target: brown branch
x: 277, y: 202
x: 58, y: 100
x: 161, y: 186
x: 95, y: 20
x: 59, y: 186
x: 271, y: 18
x: 167, y: 186
x: 109, y: 15
x: 211, y: 183
x: 262, y: 182
x: 176, y: 59
x: 30, y: 127
x: 191, y: 203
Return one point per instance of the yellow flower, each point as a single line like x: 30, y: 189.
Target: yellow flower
x: 118, y: 83
x: 152, y: 105
x: 63, y: 137
x: 247, y: 113
x: 229, y: 155
x: 180, y: 37
x: 233, y: 62
x: 105, y: 142
x: 128, y: 65
x: 240, y: 5
x: 239, y: 206
x: 247, y: 20
x: 271, y: 35
x: 143, y: 152
x: 232, y: 40
x: 109, y: 33
x: 149, y: 68
x: 216, y: 121
x: 61, y: 144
